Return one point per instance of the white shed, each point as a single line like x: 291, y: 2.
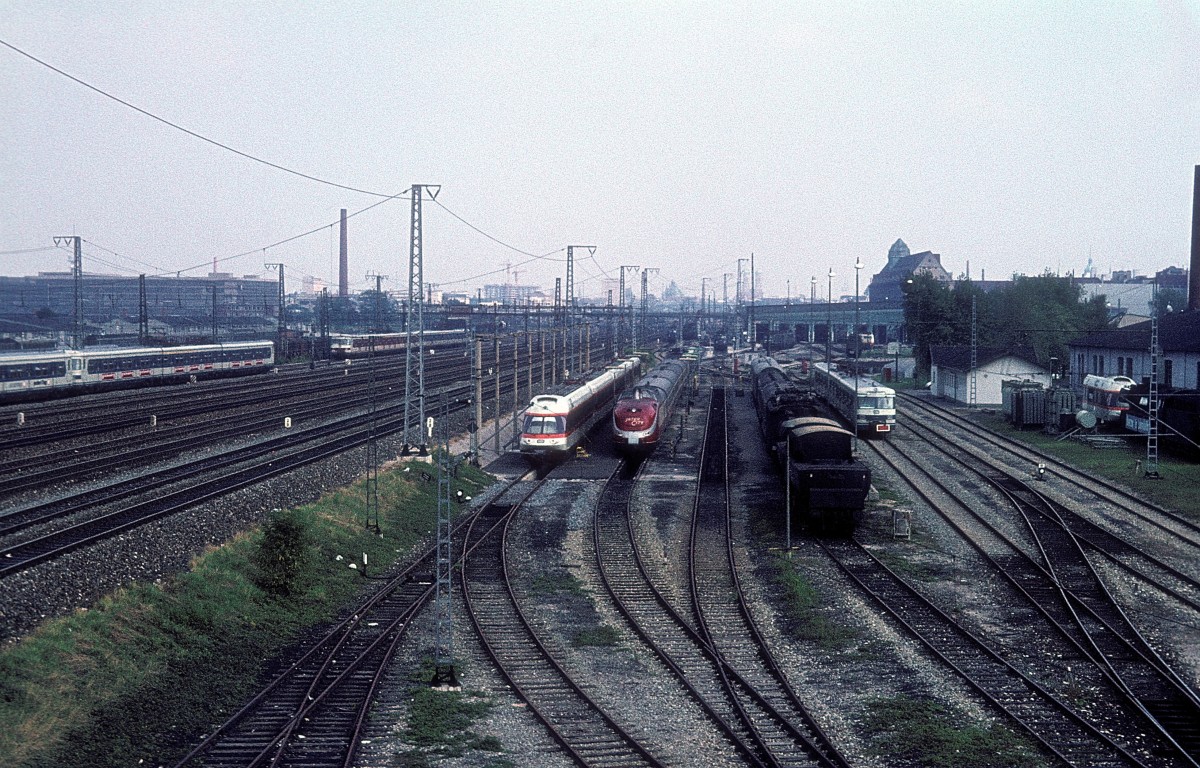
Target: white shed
x: 951, y: 372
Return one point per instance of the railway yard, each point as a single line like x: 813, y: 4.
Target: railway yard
x: 992, y: 601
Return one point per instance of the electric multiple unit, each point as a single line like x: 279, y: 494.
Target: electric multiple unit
x: 556, y: 422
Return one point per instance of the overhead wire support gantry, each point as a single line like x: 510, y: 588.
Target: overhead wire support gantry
x: 415, y: 321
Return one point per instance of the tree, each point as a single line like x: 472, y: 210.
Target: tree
x: 1168, y: 297
x: 281, y: 555
x: 1043, y: 313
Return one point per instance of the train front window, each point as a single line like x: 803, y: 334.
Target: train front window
x: 883, y: 403
x: 545, y: 425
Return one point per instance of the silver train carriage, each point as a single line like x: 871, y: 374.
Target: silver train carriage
x: 54, y: 373
x: 863, y: 402
x: 346, y: 346
x: 557, y: 421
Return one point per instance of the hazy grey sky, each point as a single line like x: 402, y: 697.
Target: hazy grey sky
x: 1016, y: 137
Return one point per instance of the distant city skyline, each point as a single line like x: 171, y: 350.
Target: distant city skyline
x: 1023, y: 138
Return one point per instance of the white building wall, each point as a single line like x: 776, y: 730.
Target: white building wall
x: 1108, y: 362
x: 956, y: 385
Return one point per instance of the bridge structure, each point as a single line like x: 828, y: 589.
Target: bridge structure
x: 775, y: 325
x: 782, y: 325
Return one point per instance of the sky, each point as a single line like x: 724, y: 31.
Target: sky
x: 1016, y: 137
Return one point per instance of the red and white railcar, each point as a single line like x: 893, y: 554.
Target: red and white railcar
x: 557, y: 421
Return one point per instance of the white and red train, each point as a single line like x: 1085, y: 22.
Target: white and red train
x: 344, y: 346
x: 1102, y: 395
x: 643, y: 411
x: 53, y: 373
x: 556, y: 422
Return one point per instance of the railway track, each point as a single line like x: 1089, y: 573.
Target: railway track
x: 1053, y: 605
x: 1051, y: 567
x: 236, y: 469
x: 314, y: 711
x: 1033, y: 707
x: 1023, y: 459
x: 763, y: 727
x: 589, y: 734
x: 111, y: 508
x: 719, y: 603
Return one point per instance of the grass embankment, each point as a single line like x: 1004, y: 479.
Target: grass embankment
x: 152, y: 666
x: 1178, y: 487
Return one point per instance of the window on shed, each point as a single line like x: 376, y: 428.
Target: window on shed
x: 1167, y: 373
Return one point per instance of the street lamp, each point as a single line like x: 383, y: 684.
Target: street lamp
x: 829, y: 323
x: 812, y: 321
x: 858, y: 265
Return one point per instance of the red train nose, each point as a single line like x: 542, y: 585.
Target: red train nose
x: 632, y: 417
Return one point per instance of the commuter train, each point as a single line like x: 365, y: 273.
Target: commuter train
x: 38, y: 375
x: 556, y: 422
x: 828, y: 484
x: 643, y: 412
x: 1103, y: 396
x: 863, y: 402
x: 344, y: 346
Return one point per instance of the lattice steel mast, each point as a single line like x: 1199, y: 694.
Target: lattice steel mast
x: 414, y: 359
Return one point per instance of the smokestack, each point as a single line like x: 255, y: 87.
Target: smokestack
x: 343, y: 263
x: 1194, y: 267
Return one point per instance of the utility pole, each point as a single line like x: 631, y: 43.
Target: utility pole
x: 558, y: 324
x: 215, y: 337
x: 740, y: 300
x: 444, y: 677
x: 371, y: 518
x: 477, y: 375
x: 282, y: 328
x: 143, y: 313
x: 77, y: 278
x: 324, y: 321
x: 415, y: 317
x: 378, y: 299
x: 753, y: 326
x: 572, y: 308
x: 641, y: 325
x: 829, y: 324
x: 621, y: 304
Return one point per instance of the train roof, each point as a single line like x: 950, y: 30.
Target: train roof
x: 115, y: 351
x: 810, y: 421
x: 568, y: 395
x: 862, y: 384
x: 805, y: 430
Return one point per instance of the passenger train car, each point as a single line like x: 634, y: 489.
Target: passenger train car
x: 1102, y: 395
x: 344, y: 346
x: 828, y: 484
x: 863, y: 402
x: 643, y: 412
x: 557, y: 421
x: 38, y: 375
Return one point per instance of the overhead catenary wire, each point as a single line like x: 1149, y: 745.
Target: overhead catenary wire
x: 190, y: 132
x: 254, y: 158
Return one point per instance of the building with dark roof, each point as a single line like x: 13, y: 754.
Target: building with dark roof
x: 888, y: 284
x: 1126, y: 352
x: 951, y: 372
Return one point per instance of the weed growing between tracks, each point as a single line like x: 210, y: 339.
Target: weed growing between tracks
x: 148, y: 669
x: 804, y: 609
x: 439, y: 726
x: 919, y: 732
